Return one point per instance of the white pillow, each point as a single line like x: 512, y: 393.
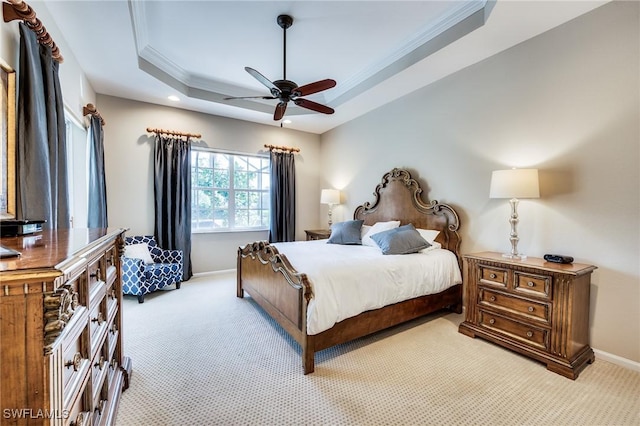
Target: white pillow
x: 138, y: 251
x: 430, y: 235
x: 364, y: 230
x: 378, y: 227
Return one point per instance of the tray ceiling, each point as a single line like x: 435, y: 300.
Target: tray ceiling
x: 377, y: 51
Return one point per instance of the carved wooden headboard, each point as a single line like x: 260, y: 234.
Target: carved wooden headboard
x: 399, y: 197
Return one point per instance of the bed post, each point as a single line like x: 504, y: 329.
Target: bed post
x: 239, y: 290
x: 308, y: 354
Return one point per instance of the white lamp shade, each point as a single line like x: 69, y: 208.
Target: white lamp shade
x: 514, y: 183
x: 330, y: 196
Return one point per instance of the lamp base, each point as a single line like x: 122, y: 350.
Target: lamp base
x: 518, y: 256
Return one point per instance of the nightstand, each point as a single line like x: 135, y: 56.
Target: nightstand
x: 317, y: 234
x: 531, y: 306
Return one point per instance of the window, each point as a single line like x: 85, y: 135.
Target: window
x: 77, y: 171
x: 229, y: 191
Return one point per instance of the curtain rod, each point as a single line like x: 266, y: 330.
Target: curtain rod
x: 90, y: 109
x: 174, y: 132
x: 19, y: 9
x: 281, y: 148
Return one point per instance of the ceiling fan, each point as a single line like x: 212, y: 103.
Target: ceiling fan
x: 286, y: 90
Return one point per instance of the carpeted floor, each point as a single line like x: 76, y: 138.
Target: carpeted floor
x: 201, y: 356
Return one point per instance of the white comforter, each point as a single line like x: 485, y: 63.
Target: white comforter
x: 348, y: 280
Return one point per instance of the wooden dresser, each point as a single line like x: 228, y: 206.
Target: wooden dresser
x: 534, y: 307
x: 317, y: 234
x: 61, y: 360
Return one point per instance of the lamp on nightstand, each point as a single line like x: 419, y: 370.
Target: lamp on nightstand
x: 514, y: 184
x: 331, y: 197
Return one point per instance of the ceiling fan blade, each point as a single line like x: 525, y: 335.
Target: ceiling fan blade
x: 264, y: 80
x: 248, y: 97
x: 305, y: 103
x: 279, y: 112
x: 315, y: 87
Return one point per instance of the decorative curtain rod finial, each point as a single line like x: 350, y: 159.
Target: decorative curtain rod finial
x: 90, y: 109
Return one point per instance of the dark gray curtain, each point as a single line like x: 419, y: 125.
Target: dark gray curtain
x: 172, y: 170
x: 283, y: 197
x: 97, y: 186
x: 42, y: 187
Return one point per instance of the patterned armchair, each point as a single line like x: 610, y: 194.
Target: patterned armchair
x: 140, y: 278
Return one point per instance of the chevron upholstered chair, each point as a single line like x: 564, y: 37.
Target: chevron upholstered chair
x: 147, y: 267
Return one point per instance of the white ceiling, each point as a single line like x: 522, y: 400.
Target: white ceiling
x: 377, y: 51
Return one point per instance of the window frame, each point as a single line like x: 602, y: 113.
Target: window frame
x: 232, y: 191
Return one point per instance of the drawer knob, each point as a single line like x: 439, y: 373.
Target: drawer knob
x: 100, y: 363
x: 75, y: 362
x: 96, y: 274
x: 530, y: 308
x: 493, y: 276
x: 492, y: 321
x: 530, y: 284
x: 80, y: 420
x: 99, y: 319
x: 529, y: 333
x: 492, y: 298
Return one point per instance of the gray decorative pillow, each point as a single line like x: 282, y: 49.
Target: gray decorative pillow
x: 346, y: 232
x: 402, y: 240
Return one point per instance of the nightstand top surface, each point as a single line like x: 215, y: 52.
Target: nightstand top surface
x: 534, y: 262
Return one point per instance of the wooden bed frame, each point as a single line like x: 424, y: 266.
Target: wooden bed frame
x: 284, y: 293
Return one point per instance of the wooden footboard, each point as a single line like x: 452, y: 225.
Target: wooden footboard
x: 279, y: 289
x: 284, y: 294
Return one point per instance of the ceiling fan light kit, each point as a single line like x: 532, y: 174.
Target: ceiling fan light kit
x: 286, y: 90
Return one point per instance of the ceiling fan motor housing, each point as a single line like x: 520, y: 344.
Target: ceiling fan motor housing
x: 286, y: 89
x: 285, y: 21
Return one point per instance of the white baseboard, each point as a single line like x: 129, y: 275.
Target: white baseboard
x: 220, y: 272
x: 618, y: 360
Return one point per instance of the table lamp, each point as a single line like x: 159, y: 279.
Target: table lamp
x: 330, y: 197
x: 514, y: 184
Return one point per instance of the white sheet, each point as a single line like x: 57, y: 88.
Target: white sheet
x: 349, y: 280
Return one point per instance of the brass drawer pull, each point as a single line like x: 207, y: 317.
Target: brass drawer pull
x: 529, y: 333
x: 493, y: 276
x: 530, y: 308
x: 492, y: 298
x: 80, y: 420
x: 492, y: 321
x: 99, y: 319
x: 100, y: 363
x: 96, y: 274
x: 531, y: 284
x: 75, y: 362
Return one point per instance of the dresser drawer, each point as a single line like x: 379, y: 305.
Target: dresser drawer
x: 525, y: 333
x: 96, y: 273
x: 75, y: 369
x: 99, y: 372
x: 530, y: 309
x: 532, y: 284
x: 97, y: 326
x: 493, y: 275
x: 80, y: 412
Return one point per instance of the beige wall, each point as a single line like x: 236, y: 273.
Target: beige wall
x: 129, y: 170
x: 566, y: 102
